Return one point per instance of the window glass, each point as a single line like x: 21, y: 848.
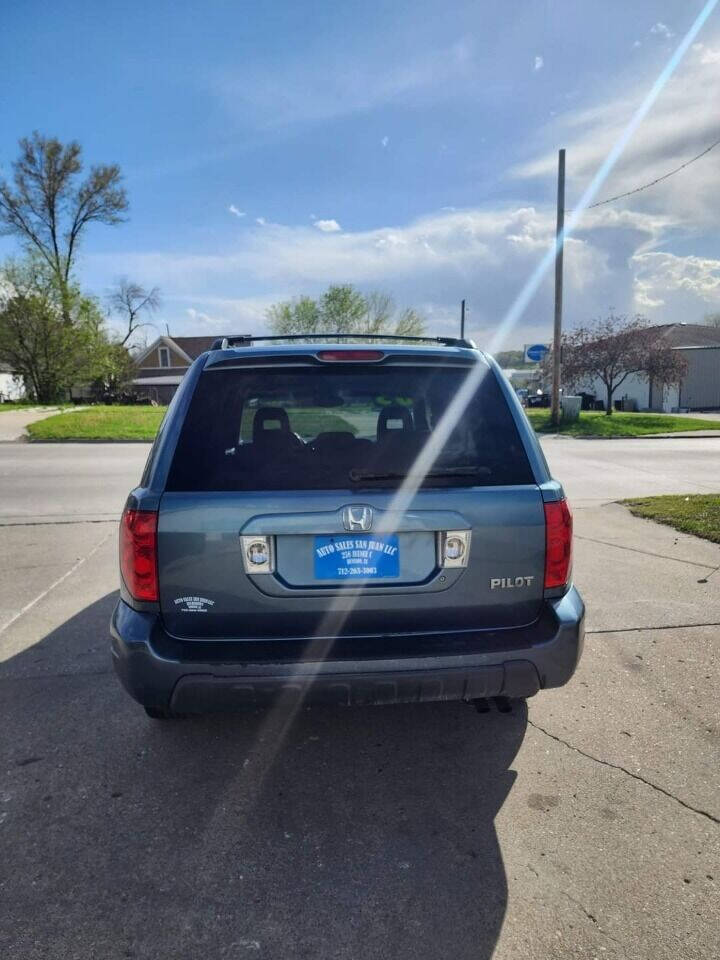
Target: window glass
x: 328, y: 428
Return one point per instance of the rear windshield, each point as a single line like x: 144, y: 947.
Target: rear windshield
x: 320, y: 428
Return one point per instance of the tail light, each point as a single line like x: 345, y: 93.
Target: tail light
x: 138, y: 553
x: 558, y: 544
x: 350, y: 356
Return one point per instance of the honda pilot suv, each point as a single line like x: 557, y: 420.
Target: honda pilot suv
x: 345, y: 522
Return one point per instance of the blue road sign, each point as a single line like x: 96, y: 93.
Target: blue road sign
x: 536, y: 351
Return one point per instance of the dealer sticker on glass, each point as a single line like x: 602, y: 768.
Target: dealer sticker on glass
x: 352, y: 557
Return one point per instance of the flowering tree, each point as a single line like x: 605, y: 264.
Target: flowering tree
x: 613, y: 348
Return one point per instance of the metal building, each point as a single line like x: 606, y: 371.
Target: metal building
x: 700, y: 388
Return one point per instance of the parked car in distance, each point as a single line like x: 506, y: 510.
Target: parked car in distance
x: 345, y: 522
x: 538, y: 398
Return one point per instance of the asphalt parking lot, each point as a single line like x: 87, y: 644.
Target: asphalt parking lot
x: 586, y: 825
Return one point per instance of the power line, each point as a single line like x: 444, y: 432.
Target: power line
x: 652, y: 183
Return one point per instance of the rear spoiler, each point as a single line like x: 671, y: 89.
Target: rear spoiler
x: 247, y: 340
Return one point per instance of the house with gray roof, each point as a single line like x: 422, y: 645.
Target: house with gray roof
x: 161, y: 366
x: 699, y: 344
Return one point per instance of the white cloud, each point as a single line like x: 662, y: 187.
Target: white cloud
x: 622, y: 255
x: 539, y: 63
x: 706, y: 54
x: 663, y: 278
x: 235, y: 212
x: 636, y: 44
x: 484, y: 254
x: 385, y: 141
x: 349, y: 82
x: 216, y: 315
x: 710, y: 56
x: 662, y: 30
x: 200, y: 319
x: 261, y: 221
x: 681, y: 124
x: 327, y: 226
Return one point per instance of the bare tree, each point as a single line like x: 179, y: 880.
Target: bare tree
x: 132, y: 302
x: 614, y: 348
x: 48, y: 207
x: 409, y: 324
x: 712, y: 319
x: 379, y: 310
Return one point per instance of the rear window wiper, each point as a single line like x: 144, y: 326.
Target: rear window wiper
x: 446, y: 472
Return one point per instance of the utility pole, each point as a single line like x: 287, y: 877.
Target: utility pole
x: 462, y: 320
x: 557, y: 328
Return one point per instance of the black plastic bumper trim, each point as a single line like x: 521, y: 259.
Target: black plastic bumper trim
x: 206, y: 694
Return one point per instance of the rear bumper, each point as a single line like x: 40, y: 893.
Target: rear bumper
x: 160, y: 672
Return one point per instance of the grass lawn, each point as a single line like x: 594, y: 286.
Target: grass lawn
x: 100, y: 423
x: 696, y: 513
x: 141, y: 423
x: 592, y: 424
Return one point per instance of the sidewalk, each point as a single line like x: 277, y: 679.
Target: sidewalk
x: 14, y: 422
x: 709, y: 415
x: 677, y: 434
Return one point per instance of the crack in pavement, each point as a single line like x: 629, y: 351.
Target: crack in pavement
x: 56, y: 583
x: 629, y: 773
x: 646, y: 553
x: 595, y: 920
x: 665, y: 626
x: 709, y: 575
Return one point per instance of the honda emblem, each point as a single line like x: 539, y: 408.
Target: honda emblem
x: 357, y: 518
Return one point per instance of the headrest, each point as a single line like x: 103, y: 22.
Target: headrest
x: 269, y: 420
x: 394, y: 418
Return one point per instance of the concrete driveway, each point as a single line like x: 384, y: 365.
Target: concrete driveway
x: 585, y: 826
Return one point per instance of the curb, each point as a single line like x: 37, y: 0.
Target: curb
x: 686, y: 435
x: 54, y: 440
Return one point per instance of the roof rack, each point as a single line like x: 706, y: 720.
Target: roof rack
x: 246, y: 339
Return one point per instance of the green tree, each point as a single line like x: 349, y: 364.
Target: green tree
x: 55, y: 339
x: 295, y: 316
x: 49, y: 205
x: 344, y: 309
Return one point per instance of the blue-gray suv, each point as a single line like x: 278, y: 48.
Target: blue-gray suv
x: 346, y: 521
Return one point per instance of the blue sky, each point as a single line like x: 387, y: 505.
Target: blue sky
x: 269, y: 149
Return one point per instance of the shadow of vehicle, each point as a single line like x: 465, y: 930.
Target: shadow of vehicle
x: 338, y: 833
